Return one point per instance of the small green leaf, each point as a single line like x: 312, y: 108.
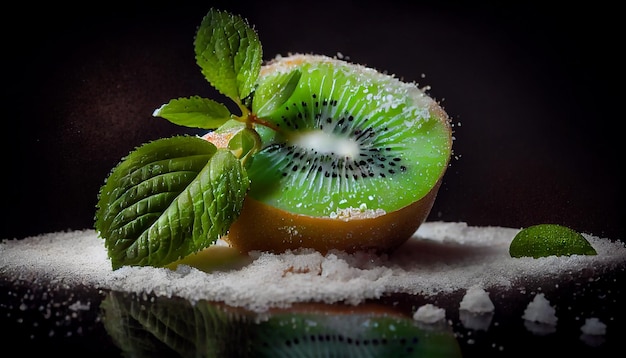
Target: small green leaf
x: 229, y: 53
x: 549, y: 240
x: 271, y: 95
x: 231, y: 126
x: 167, y: 199
x: 245, y: 144
x: 195, y: 112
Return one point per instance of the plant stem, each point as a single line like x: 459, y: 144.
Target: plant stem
x: 253, y: 119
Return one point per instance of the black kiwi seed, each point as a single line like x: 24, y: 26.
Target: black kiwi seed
x: 370, y: 162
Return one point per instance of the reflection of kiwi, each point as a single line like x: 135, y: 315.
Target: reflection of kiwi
x: 346, y: 141
x: 361, y: 334
x: 160, y: 326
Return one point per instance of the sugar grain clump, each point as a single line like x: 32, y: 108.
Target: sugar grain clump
x: 593, y: 326
x: 540, y: 311
x: 476, y: 300
x: 429, y: 313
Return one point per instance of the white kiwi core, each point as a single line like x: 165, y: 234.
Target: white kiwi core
x: 326, y: 143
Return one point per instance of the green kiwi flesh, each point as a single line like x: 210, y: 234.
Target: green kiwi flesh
x: 346, y: 136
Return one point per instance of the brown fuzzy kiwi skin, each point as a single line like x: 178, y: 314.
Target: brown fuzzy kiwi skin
x: 265, y: 228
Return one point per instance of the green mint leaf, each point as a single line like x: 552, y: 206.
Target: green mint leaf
x: 229, y: 53
x: 231, y: 126
x: 167, y: 199
x: 245, y: 144
x: 195, y: 112
x: 271, y: 95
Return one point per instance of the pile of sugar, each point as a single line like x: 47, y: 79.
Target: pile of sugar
x: 441, y: 257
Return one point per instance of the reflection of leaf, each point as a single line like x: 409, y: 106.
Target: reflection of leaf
x: 157, y: 326
x: 161, y: 326
x: 127, y: 332
x: 168, y: 199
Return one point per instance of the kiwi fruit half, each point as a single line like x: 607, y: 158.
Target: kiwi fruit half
x: 351, y: 159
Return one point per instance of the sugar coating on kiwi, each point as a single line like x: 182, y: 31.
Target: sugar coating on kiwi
x: 348, y: 139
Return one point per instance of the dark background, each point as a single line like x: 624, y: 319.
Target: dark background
x: 532, y: 91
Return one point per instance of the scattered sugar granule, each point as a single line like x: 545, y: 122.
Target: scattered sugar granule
x: 539, y: 310
x: 476, y: 300
x: 593, y: 326
x: 429, y: 313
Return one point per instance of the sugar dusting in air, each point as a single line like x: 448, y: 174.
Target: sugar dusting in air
x: 440, y: 258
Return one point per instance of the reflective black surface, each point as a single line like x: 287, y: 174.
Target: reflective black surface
x: 43, y: 317
x: 530, y: 90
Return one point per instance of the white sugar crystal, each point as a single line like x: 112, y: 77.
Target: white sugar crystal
x: 539, y: 310
x: 476, y: 300
x: 429, y: 313
x: 593, y: 326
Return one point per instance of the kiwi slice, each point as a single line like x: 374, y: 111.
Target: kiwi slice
x: 344, y: 136
x: 544, y: 240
